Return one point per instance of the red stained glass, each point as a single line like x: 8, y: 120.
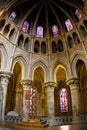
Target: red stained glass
x: 63, y: 100
x: 25, y: 26
x: 78, y: 14
x: 55, y: 31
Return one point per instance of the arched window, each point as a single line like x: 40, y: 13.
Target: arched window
x: 85, y: 23
x: 68, y: 24
x: 54, y: 47
x: 12, y: 16
x: 55, y: 31
x: 2, y: 23
x: 6, y: 29
x: 70, y: 42
x: 39, y: 31
x: 76, y: 38
x: 63, y: 99
x: 60, y: 46
x: 20, y: 40
x: 25, y: 26
x: 11, y: 35
x: 78, y: 14
x: 36, y: 47
x: 83, y: 31
x: 26, y: 44
x: 43, y: 47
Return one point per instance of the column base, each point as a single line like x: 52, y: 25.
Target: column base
x: 75, y: 120
x: 33, y: 123
x: 51, y: 121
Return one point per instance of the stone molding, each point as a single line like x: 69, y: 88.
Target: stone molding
x: 26, y: 83
x: 4, y: 77
x: 73, y: 81
x: 50, y: 84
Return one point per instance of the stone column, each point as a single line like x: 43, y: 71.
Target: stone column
x: 4, y: 79
x: 49, y: 91
x: 74, y: 86
x: 85, y: 6
x: 2, y: 12
x: 26, y: 85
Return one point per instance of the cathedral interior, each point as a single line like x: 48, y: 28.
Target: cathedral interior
x: 43, y: 59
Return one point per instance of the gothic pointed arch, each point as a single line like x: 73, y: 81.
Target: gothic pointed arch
x: 74, y: 60
x: 4, y: 57
x: 60, y: 62
x: 41, y: 63
x: 63, y: 105
x: 38, y: 82
x: 15, y: 90
x: 23, y: 62
x: 82, y: 75
x: 39, y: 78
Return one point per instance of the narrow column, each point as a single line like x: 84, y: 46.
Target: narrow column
x: 4, y: 79
x: 26, y: 85
x: 49, y: 91
x: 2, y: 12
x: 85, y: 6
x: 74, y: 86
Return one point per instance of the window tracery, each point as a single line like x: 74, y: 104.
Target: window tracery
x: 39, y: 31
x: 12, y: 16
x: 68, y: 24
x: 63, y: 100
x: 55, y: 31
x: 25, y: 26
x: 78, y: 14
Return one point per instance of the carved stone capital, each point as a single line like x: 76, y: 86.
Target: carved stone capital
x: 49, y: 86
x: 73, y: 81
x: 26, y: 84
x: 4, y: 77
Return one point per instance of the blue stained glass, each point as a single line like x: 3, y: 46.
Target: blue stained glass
x: 39, y: 31
x: 25, y: 26
x: 55, y: 31
x: 12, y: 16
x: 63, y: 100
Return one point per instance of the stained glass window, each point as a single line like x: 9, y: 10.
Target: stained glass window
x: 32, y: 101
x: 25, y: 26
x: 55, y: 30
x: 63, y: 100
x: 39, y: 31
x: 78, y: 14
x: 12, y: 16
x: 68, y: 24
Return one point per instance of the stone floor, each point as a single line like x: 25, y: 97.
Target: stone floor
x: 11, y: 126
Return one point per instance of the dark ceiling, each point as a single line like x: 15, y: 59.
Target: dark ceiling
x: 44, y: 12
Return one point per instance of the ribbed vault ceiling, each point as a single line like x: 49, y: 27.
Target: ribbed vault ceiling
x: 44, y: 12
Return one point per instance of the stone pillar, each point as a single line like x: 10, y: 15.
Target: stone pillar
x: 2, y: 12
x: 49, y: 91
x: 40, y: 107
x: 26, y: 85
x: 74, y: 86
x: 85, y: 6
x: 4, y: 79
